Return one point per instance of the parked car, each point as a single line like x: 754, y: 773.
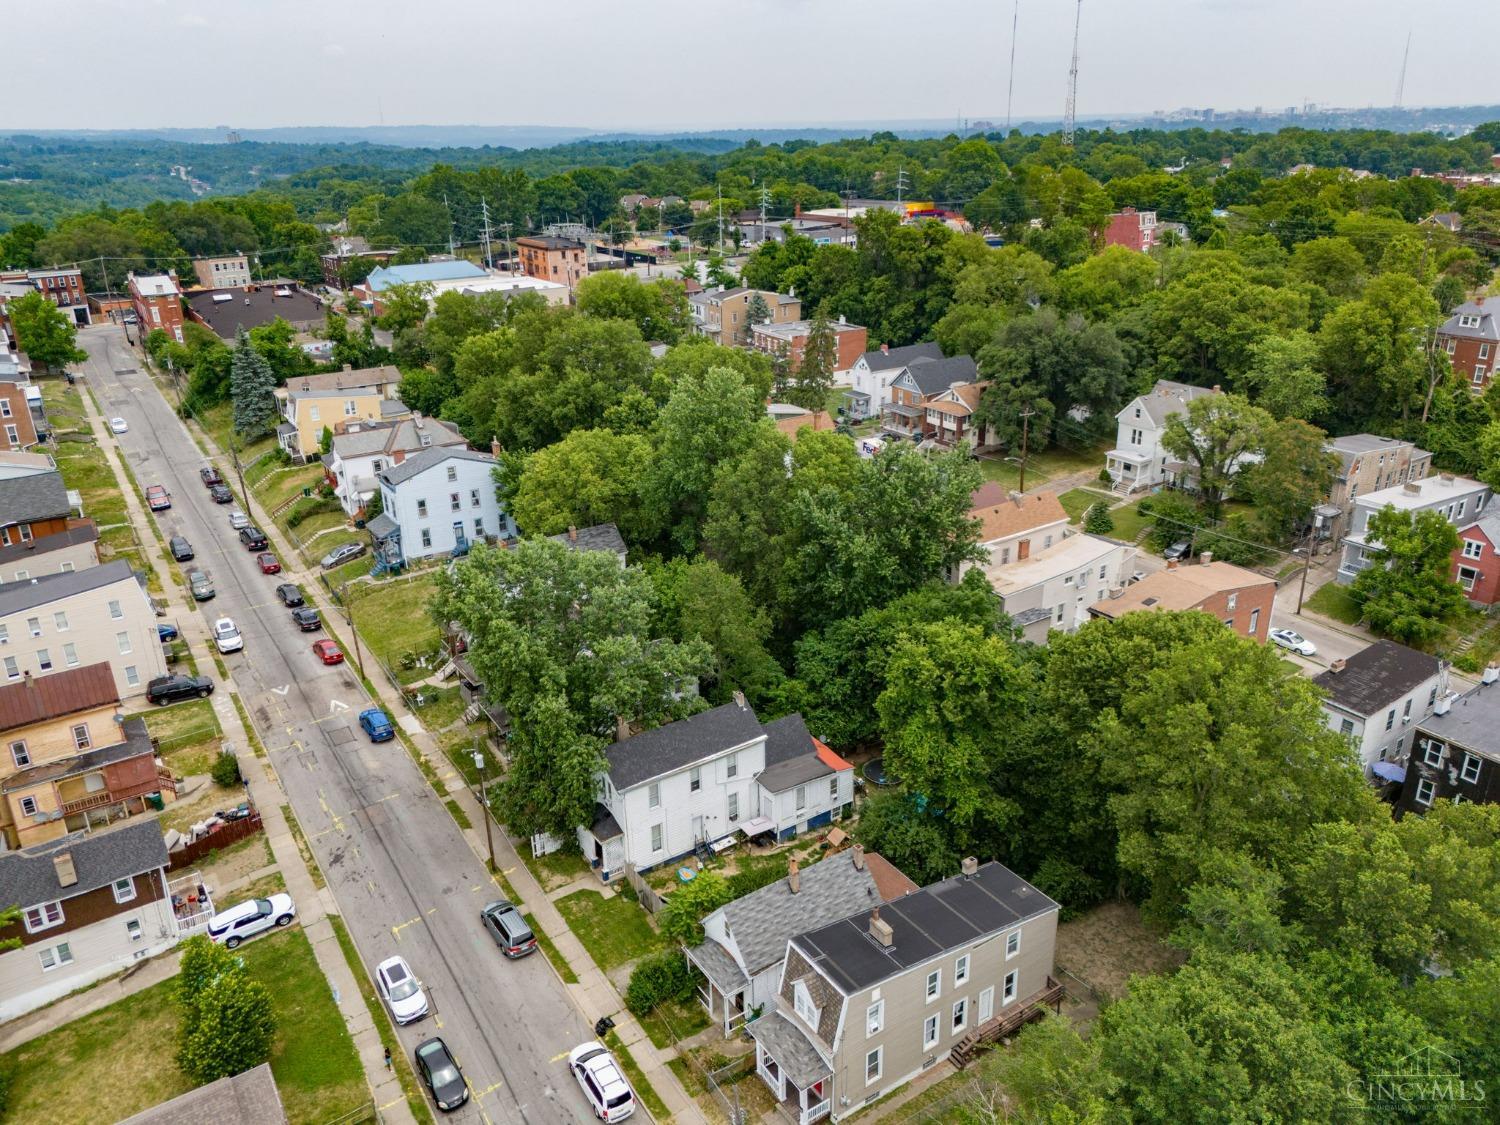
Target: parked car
x: 253, y: 538
x: 375, y: 723
x: 400, y: 990
x: 238, y: 520
x: 441, y: 1075
x: 130, y: 318
x: 328, y: 652
x: 340, y: 555
x: 158, y: 498
x: 268, y: 563
x: 306, y: 617
x: 209, y: 476
x: 165, y: 633
x: 602, y: 1081
x: 170, y: 689
x: 118, y: 425
x: 1296, y: 642
x: 509, y: 929
x: 201, y: 587
x: 181, y: 549
x: 234, y: 925
x: 220, y: 494
x: 290, y: 596
x: 1178, y: 550
x: 227, y: 635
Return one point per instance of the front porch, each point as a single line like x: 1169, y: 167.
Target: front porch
x: 723, y: 989
x: 908, y: 421
x: 798, y: 1075
x: 1129, y: 470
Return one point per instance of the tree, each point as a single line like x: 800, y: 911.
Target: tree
x: 1373, y: 350
x: 700, y: 601
x: 911, y: 836
x: 659, y: 309
x: 1294, y: 474
x: 252, y: 387
x: 756, y: 312
x: 9, y: 916
x: 1407, y: 591
x: 1206, y: 320
x: 1097, y: 520
x: 814, y: 373
x: 1283, y: 377
x: 1111, y: 280
x: 589, y: 477
x: 1334, y: 264
x: 1214, y: 436
x: 405, y: 307
x: 44, y: 332
x: 689, y: 903
x: 228, y: 1021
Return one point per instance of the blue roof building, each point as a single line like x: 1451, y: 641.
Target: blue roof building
x: 383, y: 277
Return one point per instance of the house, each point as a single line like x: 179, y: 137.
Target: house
x: 53, y: 622
x: 1139, y: 459
x: 869, y: 1002
x: 919, y: 384
x: 76, y: 547
x: 437, y: 502
x: 91, y: 904
x: 312, y: 403
x: 600, y: 537
x: 1460, y: 500
x: 366, y: 449
x: 17, y: 426
x: 950, y: 418
x: 230, y: 271
x: 346, y: 249
x: 1054, y: 588
x: 247, y: 1098
x: 1378, y: 696
x: 723, y: 315
x: 15, y: 463
x: 63, y: 286
x: 1240, y: 598
x: 225, y: 312
x: 1132, y: 229
x: 873, y: 372
x: 562, y: 260
x: 1450, y: 221
x: 1455, y: 751
x: 822, y: 231
x: 1013, y: 526
x: 1471, y: 337
x: 33, y: 506
x: 744, y: 941
x: 506, y: 284
x: 1368, y: 463
x: 789, y: 338
x: 709, y: 778
x: 72, y: 761
x: 157, y: 302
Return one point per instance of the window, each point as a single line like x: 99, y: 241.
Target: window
x: 426, y: 537
x: 1484, y: 351
x: 1406, y: 711
x: 122, y: 640
x: 872, y: 1065
x: 961, y: 971
x: 81, y: 737
x: 25, y: 533
x: 653, y: 795
x: 58, y: 955
x: 695, y: 779
x: 124, y: 890
x: 12, y: 669
x: 4, y: 634
x: 28, y: 806
x: 1469, y: 771
x: 12, y: 435
x: 422, y: 509
x: 133, y: 929
x: 656, y: 839
x: 479, y: 529
x: 1432, y: 696
x: 20, y: 754
x: 474, y: 501
x: 875, y: 1018
x: 733, y: 801
x: 929, y: 1032
x: 1473, y: 549
x: 1135, y: 437
x: 1424, y: 792
x: 833, y: 789
x: 934, y: 984
x: 1467, y: 576
x: 43, y: 917
x: 1254, y: 621
x: 312, y: 412
x: 1390, y: 718
x: 1004, y: 555
x: 801, y: 797
x: 1008, y: 993
x: 1467, y: 321
x: 34, y: 624
x: 4, y: 408
x: 70, y: 655
x: 132, y: 677
x: 350, y: 410
x: 1233, y: 601
x: 377, y: 466
x: 60, y: 621
x: 452, y: 472
x: 44, y: 660
x: 1103, y: 573
x: 960, y: 1014
x: 453, y: 502
x: 1433, y: 755
x: 732, y: 766
x: 802, y: 1003
x: 1012, y: 944
x: 115, y: 612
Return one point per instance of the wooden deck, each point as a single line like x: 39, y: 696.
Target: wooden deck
x: 1008, y: 1023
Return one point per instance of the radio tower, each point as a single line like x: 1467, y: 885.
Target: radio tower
x: 1010, y: 93
x: 1070, y: 114
x: 1401, y: 81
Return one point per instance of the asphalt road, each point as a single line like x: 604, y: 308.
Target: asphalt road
x: 404, y: 878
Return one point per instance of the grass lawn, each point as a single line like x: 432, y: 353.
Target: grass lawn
x: 84, y: 467
x: 556, y: 869
x: 350, y: 570
x: 643, y: 1089
x: 277, y: 487
x: 1128, y: 521
x: 218, y: 421
x: 393, y: 620
x: 189, y: 734
x: 613, y: 930
x: 1335, y: 601
x: 672, y: 1021
x: 1077, y: 501
x: 322, y: 521
x: 549, y: 951
x: 118, y: 1061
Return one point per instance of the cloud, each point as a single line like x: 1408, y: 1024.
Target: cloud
x: 192, y: 19
x: 333, y: 50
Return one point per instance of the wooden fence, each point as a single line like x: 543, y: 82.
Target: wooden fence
x: 231, y: 833
x: 649, y: 899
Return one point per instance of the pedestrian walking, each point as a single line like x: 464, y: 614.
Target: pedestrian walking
x: 388, y: 1058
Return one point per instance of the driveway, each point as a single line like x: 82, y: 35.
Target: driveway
x: 1333, y: 641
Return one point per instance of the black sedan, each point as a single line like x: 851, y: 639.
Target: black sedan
x: 220, y: 494
x: 290, y: 596
x: 441, y: 1075
x: 306, y: 618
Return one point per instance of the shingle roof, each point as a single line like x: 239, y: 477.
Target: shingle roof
x: 677, y: 745
x: 431, y: 458
x: 546, y: 242
x: 83, y: 532
x: 1489, y: 526
x: 135, y: 742
x: 400, y: 434
x: 343, y: 380
x: 718, y: 966
x: 18, y: 596
x: 1167, y: 398
x: 1011, y: 517
x: 1488, y: 327
x: 1183, y: 587
x: 382, y: 525
x: 937, y: 918
x: 28, y: 877
x: 790, y: 1047
x: 39, y: 496
x: 899, y: 357
x: 934, y: 376
x: 62, y: 693
x: 600, y: 537
x: 1376, y: 675
x: 247, y: 1098
x: 787, y: 738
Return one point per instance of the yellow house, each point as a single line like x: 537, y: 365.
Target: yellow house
x: 312, y: 403
x: 70, y: 760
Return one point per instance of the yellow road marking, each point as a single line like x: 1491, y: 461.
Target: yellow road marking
x: 396, y: 930
x: 388, y: 1105
x: 431, y: 912
x: 558, y: 1058
x: 334, y: 817
x: 489, y: 1090
x: 475, y: 888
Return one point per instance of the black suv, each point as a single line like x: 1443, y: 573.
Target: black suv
x: 253, y: 538
x: 210, y: 476
x: 290, y: 596
x: 220, y: 494
x: 169, y: 689
x: 181, y: 549
x: 307, y: 619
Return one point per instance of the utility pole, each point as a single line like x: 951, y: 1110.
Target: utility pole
x: 1306, y: 566
x: 1025, y: 435
x: 900, y: 183
x: 234, y: 456
x: 1070, y: 113
x: 484, y: 211
x: 720, y: 191
x: 1010, y: 93
x: 1401, y: 81
x: 765, y: 202
x: 449, y: 210
x: 509, y: 257
x: 359, y: 659
x: 484, y: 802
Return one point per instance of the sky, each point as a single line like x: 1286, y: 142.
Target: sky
x: 680, y: 64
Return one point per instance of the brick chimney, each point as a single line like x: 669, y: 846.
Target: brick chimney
x: 622, y: 728
x: 885, y: 349
x: 969, y: 867
x: 739, y: 699
x: 495, y: 449
x: 1205, y: 558
x: 63, y: 865
x: 880, y: 930
x: 793, y: 876
x: 1338, y: 666
x: 572, y: 534
x: 857, y: 854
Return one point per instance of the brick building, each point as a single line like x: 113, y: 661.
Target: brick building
x: 790, y: 339
x: 1240, y: 598
x: 553, y: 259
x: 64, y: 288
x: 1135, y: 230
x: 1369, y: 463
x: 1471, y: 337
x: 158, y: 303
x: 230, y: 271
x: 17, y: 427
x: 1476, y: 563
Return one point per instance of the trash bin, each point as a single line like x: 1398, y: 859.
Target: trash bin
x: 155, y: 801
x: 307, y: 491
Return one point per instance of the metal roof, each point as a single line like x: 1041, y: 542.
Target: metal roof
x: 39, y: 698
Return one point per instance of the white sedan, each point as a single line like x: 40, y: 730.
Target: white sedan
x: 1296, y: 642
x: 227, y: 635
x: 118, y: 425
x: 400, y: 990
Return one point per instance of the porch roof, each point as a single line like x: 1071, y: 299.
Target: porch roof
x: 718, y: 966
x: 793, y: 1051
x: 904, y: 410
x: 1135, y: 457
x: 135, y: 743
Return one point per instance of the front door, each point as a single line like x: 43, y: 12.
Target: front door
x: 1023, y: 550
x: 986, y: 1005
x: 697, y: 829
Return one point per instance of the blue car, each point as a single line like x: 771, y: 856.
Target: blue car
x: 374, y: 723
x: 165, y: 633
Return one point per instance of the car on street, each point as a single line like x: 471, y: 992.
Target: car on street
x: 209, y: 476
x: 227, y: 635
x: 440, y: 1074
x: 602, y: 1081
x: 1294, y: 641
x: 375, y: 723
x: 220, y: 494
x: 268, y: 563
x: 290, y: 596
x: 401, y: 990
x: 170, y: 689
x: 238, y: 521
x: 306, y: 618
x: 201, y: 587
x: 118, y: 425
x: 328, y: 651
x: 232, y: 926
x: 130, y: 318
x: 1176, y: 551
x: 165, y: 633
x: 340, y: 555
x: 158, y: 499
x: 253, y: 538
x: 181, y: 549
x: 509, y: 929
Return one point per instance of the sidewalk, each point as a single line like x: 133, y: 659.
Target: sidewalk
x: 313, y: 906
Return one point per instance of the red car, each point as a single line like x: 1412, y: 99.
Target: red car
x: 327, y: 652
x: 268, y: 563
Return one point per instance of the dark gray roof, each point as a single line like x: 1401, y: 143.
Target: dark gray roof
x: 1031, y: 616
x: 899, y: 357
x: 430, y: 458
x: 135, y: 743
x: 28, y: 876
x: 940, y: 917
x: 249, y: 1098
x: 761, y: 922
x: 1167, y: 398
x: 1488, y: 327
x: 39, y: 496
x: 605, y: 826
x: 57, y: 541
x: 18, y: 596
x: 934, y: 376
x: 786, y: 738
x: 718, y: 966
x: 790, y: 1047
x: 600, y: 537
x: 1376, y: 676
x: 678, y: 745
x: 793, y: 772
x: 382, y: 525
x: 1473, y: 722
x: 405, y: 434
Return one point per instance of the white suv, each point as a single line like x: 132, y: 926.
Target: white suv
x: 602, y: 1081
x: 227, y: 635
x: 234, y: 925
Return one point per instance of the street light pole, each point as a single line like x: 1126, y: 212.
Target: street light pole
x: 484, y: 803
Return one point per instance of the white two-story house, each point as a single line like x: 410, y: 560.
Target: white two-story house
x: 439, y: 501
x: 873, y: 373
x: 1139, y: 460
x: 1376, y: 698
x: 366, y: 449
x: 1460, y: 500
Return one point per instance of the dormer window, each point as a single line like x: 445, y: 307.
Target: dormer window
x: 1466, y: 321
x: 806, y: 1010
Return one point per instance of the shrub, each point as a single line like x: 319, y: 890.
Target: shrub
x: 225, y: 770
x: 660, y: 977
x: 227, y: 1022
x: 1068, y: 885
x: 310, y: 506
x: 4, y: 1091
x: 1097, y: 520
x: 756, y: 872
x: 689, y: 904
x: 1105, y: 478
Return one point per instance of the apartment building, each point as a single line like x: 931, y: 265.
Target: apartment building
x: 1471, y: 338
x: 64, y: 288
x: 157, y: 302
x: 1369, y: 463
x: 723, y: 315
x: 1378, y: 696
x: 17, y: 426
x: 1460, y: 501
x: 231, y: 271
x: 1132, y: 229
x: 562, y: 260
x: 789, y: 338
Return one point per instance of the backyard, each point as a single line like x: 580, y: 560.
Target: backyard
x: 615, y: 930
x: 1335, y: 601
x: 1048, y: 465
x: 188, y: 734
x: 393, y: 622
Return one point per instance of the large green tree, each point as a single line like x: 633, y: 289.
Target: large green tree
x: 1294, y: 473
x: 227, y: 1019
x: 1408, y: 591
x: 589, y: 477
x: 1216, y: 437
x: 252, y: 388
x: 46, y: 334
x: 658, y: 309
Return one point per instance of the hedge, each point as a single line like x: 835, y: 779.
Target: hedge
x: 657, y: 978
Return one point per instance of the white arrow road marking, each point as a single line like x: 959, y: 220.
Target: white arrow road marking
x: 337, y: 705
x: 283, y: 689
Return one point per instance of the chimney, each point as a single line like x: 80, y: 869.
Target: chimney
x: 495, y: 447
x: 1412, y: 488
x: 885, y: 349
x: 622, y: 728
x: 857, y: 853
x: 969, y: 867
x: 347, y: 367
x: 572, y: 534
x: 1446, y: 478
x: 739, y: 699
x: 1338, y: 666
x: 63, y: 865
x: 793, y: 876
x: 1171, y: 564
x: 881, y: 930
x: 1205, y: 558
x: 1216, y: 388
